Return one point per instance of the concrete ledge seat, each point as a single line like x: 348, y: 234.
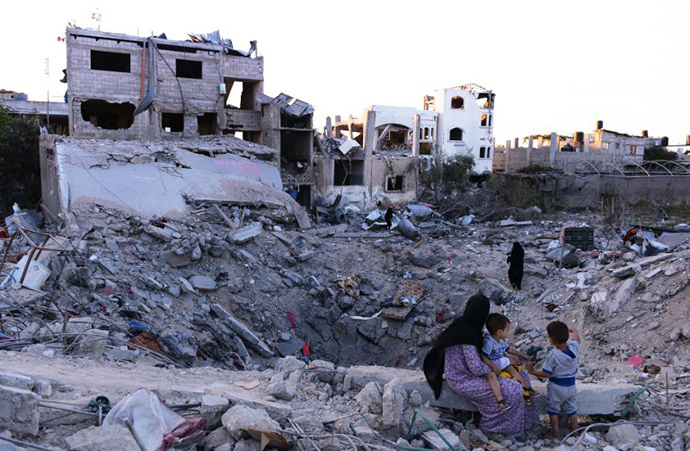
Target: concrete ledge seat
x: 592, y: 399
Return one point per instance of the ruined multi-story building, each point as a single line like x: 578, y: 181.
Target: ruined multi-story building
x: 392, y: 140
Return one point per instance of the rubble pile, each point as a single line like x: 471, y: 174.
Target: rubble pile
x: 235, y: 288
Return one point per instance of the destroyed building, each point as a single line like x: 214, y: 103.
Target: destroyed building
x: 52, y: 115
x: 379, y: 154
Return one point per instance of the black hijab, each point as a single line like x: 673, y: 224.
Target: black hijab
x: 466, y: 330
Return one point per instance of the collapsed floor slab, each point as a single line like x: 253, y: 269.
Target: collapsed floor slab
x: 160, y: 178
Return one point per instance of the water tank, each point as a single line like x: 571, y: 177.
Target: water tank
x: 664, y: 141
x: 579, y: 137
x: 645, y: 134
x: 687, y: 140
x: 600, y: 125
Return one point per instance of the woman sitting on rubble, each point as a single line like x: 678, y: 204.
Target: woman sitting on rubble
x: 457, y: 354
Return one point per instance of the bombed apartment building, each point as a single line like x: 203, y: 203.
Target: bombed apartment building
x: 179, y: 122
x: 381, y: 154
x: 128, y: 87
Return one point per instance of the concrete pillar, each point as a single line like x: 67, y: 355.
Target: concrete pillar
x: 585, y: 145
x: 517, y: 143
x: 508, y: 144
x: 415, y: 136
x: 369, y: 140
x: 530, y: 146
x: 329, y: 127
x: 554, y: 148
x: 528, y: 154
x: 540, y: 142
x: 508, y: 152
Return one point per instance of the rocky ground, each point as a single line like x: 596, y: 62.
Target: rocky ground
x: 214, y: 303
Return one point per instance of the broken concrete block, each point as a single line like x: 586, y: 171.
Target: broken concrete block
x: 393, y: 403
x: 212, y: 408
x: 239, y: 418
x: 622, y: 435
x: 290, y: 364
x: 276, y: 410
x: 242, y: 330
x: 16, y: 381
x: 563, y: 257
x: 437, y: 443
x: 110, y: 438
x: 493, y: 289
x: 203, y: 283
x: 425, y: 259
x: 217, y: 438
x: 19, y: 410
x: 175, y: 260
x: 246, y: 233
x: 162, y: 233
x: 623, y: 295
x: 92, y: 343
x: 370, y: 399
x: 282, y: 390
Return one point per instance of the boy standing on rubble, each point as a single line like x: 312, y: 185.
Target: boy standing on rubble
x: 560, y: 367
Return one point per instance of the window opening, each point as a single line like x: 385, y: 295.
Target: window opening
x: 482, y: 152
x: 488, y: 152
x: 348, y: 172
x: 485, y: 120
x: 106, y: 115
x: 395, y: 183
x: 483, y: 100
x: 188, y: 69
x: 456, y: 134
x: 172, y: 122
x: 457, y: 103
x: 110, y: 61
x: 207, y: 124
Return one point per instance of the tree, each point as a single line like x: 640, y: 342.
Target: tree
x: 20, y: 174
x: 659, y: 153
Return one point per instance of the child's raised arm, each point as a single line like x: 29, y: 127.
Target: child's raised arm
x: 574, y: 334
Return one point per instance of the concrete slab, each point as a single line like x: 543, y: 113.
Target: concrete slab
x: 19, y: 410
x: 593, y: 399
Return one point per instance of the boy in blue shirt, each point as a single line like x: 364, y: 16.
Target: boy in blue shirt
x: 560, y: 367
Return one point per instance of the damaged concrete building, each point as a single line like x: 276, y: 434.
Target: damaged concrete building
x: 155, y: 115
x: 382, y: 153
x: 52, y: 115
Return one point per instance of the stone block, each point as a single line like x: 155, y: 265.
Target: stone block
x: 393, y: 403
x: 92, y: 343
x: 212, y: 408
x: 112, y: 438
x: 623, y: 434
x: 16, y: 381
x: 279, y: 411
x: 19, y: 410
x: 245, y: 233
x: 370, y: 399
x: 239, y: 418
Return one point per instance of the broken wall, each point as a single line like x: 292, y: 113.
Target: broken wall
x: 392, y: 177
x: 465, y: 126
x: 592, y: 191
x: 109, y: 75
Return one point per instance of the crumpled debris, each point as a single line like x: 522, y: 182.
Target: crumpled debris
x: 350, y: 284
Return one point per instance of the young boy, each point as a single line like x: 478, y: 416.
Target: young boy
x: 493, y: 354
x: 560, y: 367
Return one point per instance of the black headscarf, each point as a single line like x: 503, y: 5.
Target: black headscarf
x: 466, y: 330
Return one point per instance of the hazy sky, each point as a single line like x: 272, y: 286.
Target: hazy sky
x: 554, y: 66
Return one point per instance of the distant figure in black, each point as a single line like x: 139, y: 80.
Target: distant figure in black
x: 516, y: 258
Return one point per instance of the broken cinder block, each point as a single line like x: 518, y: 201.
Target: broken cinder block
x: 19, y: 410
x: 246, y: 233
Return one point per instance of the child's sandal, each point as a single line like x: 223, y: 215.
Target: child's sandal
x: 506, y: 406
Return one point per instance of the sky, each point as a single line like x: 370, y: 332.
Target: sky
x: 554, y: 66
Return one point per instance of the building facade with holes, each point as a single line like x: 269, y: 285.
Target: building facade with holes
x: 129, y: 87
x: 465, y: 123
